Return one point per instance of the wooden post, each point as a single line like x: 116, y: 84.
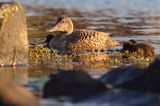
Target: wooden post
x: 13, y: 35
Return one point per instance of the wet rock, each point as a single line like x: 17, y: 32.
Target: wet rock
x: 12, y: 94
x: 154, y: 67
x: 133, y: 46
x: 123, y: 97
x: 72, y: 83
x: 121, y: 75
x: 13, y: 35
x: 149, y: 81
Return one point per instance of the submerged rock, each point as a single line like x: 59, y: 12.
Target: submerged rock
x: 13, y: 35
x: 133, y: 46
x: 72, y: 84
x: 79, y: 39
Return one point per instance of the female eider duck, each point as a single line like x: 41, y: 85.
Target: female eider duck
x: 78, y: 39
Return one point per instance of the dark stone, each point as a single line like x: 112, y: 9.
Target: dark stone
x: 72, y: 83
x: 121, y: 75
x: 123, y: 97
x: 149, y: 81
x: 154, y: 67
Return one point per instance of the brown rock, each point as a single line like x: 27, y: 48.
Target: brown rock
x: 13, y: 35
x: 13, y: 94
x: 72, y: 83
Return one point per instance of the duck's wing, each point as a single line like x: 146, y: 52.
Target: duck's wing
x: 82, y: 39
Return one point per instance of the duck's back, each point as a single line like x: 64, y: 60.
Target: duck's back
x: 82, y: 40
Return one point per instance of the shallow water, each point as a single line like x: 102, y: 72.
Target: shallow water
x: 124, y: 19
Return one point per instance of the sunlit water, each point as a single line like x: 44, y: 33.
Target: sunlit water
x: 124, y: 19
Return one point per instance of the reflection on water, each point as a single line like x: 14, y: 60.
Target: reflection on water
x: 15, y: 73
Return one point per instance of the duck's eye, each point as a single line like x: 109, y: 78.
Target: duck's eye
x: 63, y: 21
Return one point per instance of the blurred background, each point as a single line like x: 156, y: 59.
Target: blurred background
x: 151, y: 6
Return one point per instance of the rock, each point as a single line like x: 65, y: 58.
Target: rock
x: 147, y: 82
x: 121, y: 75
x: 72, y: 83
x: 122, y: 97
x: 13, y: 35
x: 12, y: 94
x: 154, y: 67
x: 133, y: 46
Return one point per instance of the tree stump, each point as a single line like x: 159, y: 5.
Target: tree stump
x: 13, y: 35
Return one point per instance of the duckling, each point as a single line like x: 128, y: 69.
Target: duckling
x: 80, y: 39
x: 56, y: 42
x: 133, y: 46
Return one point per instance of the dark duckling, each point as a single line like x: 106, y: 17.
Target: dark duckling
x: 48, y: 40
x: 133, y: 46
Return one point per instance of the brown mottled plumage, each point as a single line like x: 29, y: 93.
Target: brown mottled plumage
x: 133, y: 46
x: 80, y: 39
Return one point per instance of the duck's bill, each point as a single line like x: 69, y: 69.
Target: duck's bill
x: 51, y: 29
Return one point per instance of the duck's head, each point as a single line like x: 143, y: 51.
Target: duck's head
x: 64, y: 25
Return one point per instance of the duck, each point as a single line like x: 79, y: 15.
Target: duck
x: 76, y: 40
x: 134, y: 45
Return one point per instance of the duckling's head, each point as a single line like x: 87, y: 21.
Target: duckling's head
x: 128, y: 46
x: 64, y: 25
x: 47, y: 41
x: 133, y: 41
